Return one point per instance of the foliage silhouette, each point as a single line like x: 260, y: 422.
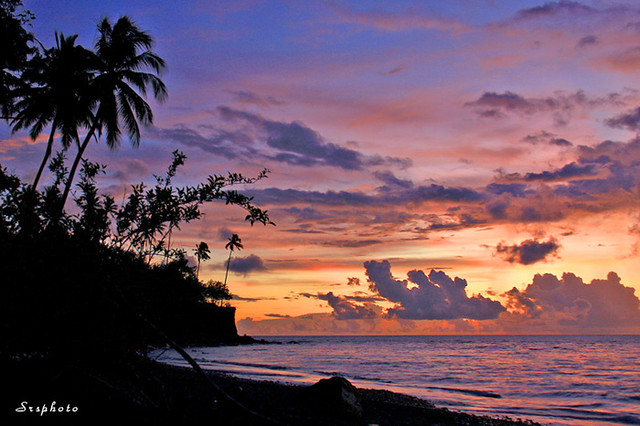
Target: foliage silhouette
x: 69, y: 282
x: 15, y: 49
x: 122, y: 52
x: 234, y: 243
x: 216, y: 291
x: 55, y: 93
x: 202, y: 253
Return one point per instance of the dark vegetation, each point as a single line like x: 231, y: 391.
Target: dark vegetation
x: 79, y: 283
x: 85, y: 292
x: 76, y: 284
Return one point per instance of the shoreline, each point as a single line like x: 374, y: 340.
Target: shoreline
x: 148, y: 391
x: 380, y: 407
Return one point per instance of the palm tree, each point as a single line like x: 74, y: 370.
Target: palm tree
x: 55, y: 93
x: 123, y: 52
x: 234, y: 243
x: 202, y: 253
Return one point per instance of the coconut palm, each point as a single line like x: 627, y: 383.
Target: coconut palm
x: 55, y: 94
x: 234, y: 243
x: 202, y: 253
x: 123, y: 54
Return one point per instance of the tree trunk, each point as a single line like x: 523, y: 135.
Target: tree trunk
x: 47, y: 154
x: 74, y: 168
x: 228, y: 264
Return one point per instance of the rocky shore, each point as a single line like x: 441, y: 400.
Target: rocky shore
x: 146, y: 392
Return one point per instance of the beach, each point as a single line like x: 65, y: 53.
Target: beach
x: 155, y: 393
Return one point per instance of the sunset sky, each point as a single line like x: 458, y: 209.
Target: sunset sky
x: 493, y: 141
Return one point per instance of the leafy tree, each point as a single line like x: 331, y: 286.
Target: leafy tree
x: 234, y: 243
x: 202, y: 253
x: 56, y: 94
x: 145, y: 222
x: 77, y: 286
x: 15, y: 49
x: 216, y: 291
x: 122, y: 51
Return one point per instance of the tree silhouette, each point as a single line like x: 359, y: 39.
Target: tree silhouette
x: 15, y: 49
x: 234, y: 243
x: 56, y: 93
x: 202, y: 253
x: 122, y: 50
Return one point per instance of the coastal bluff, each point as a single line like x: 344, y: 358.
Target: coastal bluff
x: 203, y: 324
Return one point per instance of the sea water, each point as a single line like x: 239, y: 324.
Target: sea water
x: 556, y: 380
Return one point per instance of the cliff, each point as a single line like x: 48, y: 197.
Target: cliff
x: 204, y: 324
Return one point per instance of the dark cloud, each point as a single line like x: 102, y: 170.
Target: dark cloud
x: 554, y: 8
x: 546, y: 138
x: 436, y: 296
x: 528, y: 251
x: 277, y: 316
x: 571, y: 302
x: 629, y: 120
x: 297, y: 144
x: 224, y: 234
x: 246, y: 97
x: 306, y: 214
x: 344, y: 307
x: 245, y: 265
x: 352, y: 243
x: 353, y: 281
x: 569, y: 171
x: 250, y: 299
x: 391, y: 181
x: 418, y: 194
x: 498, y: 209
x: 514, y: 189
x: 561, y: 104
x: 394, y: 70
x: 228, y: 144
x: 587, y: 41
x: 257, y: 137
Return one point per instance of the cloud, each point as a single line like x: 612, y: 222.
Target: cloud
x: 352, y: 243
x: 250, y: 299
x: 554, y: 8
x: 245, y: 265
x: 296, y: 144
x: 246, y: 97
x: 252, y: 136
x: 395, y: 70
x: 353, y: 281
x: 626, y: 61
x: 629, y: 120
x: 397, y: 20
x: 344, y: 307
x: 277, y: 316
x: 528, y: 251
x: 568, y: 171
x: 546, y: 138
x: 569, y: 301
x: 436, y: 296
x: 587, y: 41
x: 391, y: 181
x: 223, y: 234
x: 561, y: 104
x: 417, y: 194
x: 548, y: 305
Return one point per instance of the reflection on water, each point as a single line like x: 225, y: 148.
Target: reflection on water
x: 569, y: 380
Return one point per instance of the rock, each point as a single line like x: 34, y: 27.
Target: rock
x: 335, y: 398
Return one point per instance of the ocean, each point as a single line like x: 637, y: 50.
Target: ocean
x: 555, y: 380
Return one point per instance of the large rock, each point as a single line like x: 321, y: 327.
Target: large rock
x: 334, y: 398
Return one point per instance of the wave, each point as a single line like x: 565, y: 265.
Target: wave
x: 486, y: 394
